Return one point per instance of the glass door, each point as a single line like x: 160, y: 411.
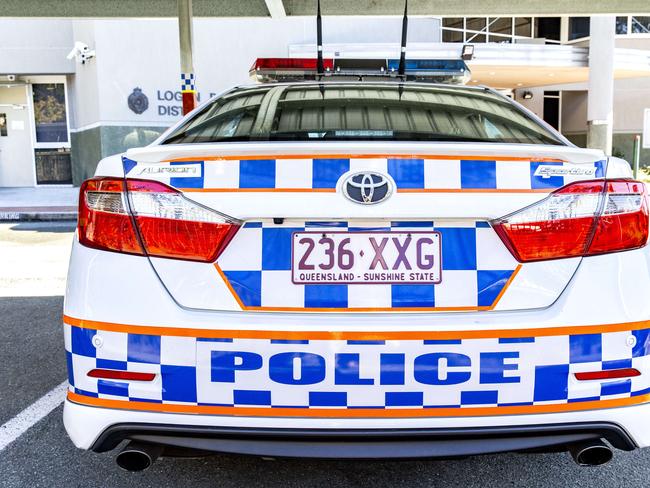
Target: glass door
x: 51, y: 132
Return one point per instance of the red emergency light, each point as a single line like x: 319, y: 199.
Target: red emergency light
x: 266, y: 69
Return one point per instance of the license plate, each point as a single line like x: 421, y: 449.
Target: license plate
x: 366, y: 257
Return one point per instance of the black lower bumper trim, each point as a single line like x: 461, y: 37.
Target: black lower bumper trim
x: 365, y: 444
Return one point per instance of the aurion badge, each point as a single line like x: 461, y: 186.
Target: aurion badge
x: 367, y: 187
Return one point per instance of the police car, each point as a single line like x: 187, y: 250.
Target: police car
x: 359, y: 266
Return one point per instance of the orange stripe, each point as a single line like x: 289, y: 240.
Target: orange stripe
x: 505, y: 287
x: 356, y: 413
x: 333, y: 190
x: 259, y: 190
x: 474, y: 190
x: 412, y: 335
x: 367, y: 309
x: 230, y: 288
x: 364, y: 156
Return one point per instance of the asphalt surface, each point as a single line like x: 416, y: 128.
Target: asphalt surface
x: 34, y: 257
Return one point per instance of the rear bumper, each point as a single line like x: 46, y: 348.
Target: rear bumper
x: 365, y: 443
x: 101, y: 429
x: 597, y: 323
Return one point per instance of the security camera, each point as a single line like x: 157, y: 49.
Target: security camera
x: 81, y: 52
x: 11, y: 77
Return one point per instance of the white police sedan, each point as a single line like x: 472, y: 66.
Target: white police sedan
x: 359, y: 269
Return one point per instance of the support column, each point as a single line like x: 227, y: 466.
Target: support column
x: 600, y: 97
x: 188, y: 89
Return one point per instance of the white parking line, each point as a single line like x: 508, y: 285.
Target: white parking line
x: 17, y: 426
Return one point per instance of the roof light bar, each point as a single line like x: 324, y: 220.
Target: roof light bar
x: 297, y: 69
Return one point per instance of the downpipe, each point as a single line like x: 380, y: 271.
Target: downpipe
x: 138, y: 456
x: 591, y: 453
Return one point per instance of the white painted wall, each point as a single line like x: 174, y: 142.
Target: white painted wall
x: 35, y: 46
x: 144, y: 54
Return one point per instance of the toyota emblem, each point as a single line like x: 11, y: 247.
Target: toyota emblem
x: 367, y: 187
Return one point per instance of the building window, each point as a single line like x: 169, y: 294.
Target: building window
x: 548, y: 28
x: 475, y: 23
x: 578, y: 28
x: 523, y: 27
x: 640, y: 25
x: 452, y: 35
x: 552, y: 107
x: 500, y: 25
x: 50, y: 118
x: 633, y: 25
x: 453, y: 23
x: 486, y: 29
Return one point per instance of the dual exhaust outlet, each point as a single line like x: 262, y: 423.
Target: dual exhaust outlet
x: 138, y: 456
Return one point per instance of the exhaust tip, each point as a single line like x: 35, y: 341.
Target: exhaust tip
x: 137, y: 457
x: 593, y: 453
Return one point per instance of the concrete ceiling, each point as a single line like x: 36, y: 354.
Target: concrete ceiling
x: 504, y: 76
x: 266, y: 8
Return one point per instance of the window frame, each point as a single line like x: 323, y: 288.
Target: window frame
x: 44, y: 80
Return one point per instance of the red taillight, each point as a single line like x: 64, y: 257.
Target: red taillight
x: 114, y: 374
x: 168, y: 224
x: 581, y: 219
x: 104, y: 222
x: 608, y: 374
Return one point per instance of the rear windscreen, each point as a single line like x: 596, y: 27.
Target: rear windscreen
x: 305, y: 112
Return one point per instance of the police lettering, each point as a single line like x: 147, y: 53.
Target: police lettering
x: 305, y: 368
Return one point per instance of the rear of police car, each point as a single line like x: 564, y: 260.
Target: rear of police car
x: 359, y: 269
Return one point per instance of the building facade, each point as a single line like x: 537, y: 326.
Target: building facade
x: 59, y: 117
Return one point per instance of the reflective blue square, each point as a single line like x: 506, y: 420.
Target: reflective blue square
x: 488, y: 397
x: 68, y: 360
x: 458, y: 248
x: 586, y: 348
x: 642, y: 346
x: 328, y: 399
x: 82, y: 342
x: 257, y: 173
x: 616, y: 387
x: 326, y: 296
x: 110, y: 364
x: 412, y: 296
x: 326, y: 172
x: 404, y: 398
x: 252, y: 397
x: 196, y: 182
x: 551, y: 382
x: 276, y: 247
x: 178, y: 383
x: 540, y: 182
x: 478, y: 174
x: 143, y: 348
x: 489, y: 285
x: 247, y: 285
x: 108, y: 387
x: 407, y: 173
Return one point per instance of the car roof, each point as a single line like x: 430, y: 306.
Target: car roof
x: 367, y: 81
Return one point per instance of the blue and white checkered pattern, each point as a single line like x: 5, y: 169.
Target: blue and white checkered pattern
x: 494, y: 372
x: 408, y: 174
x: 475, y: 268
x: 187, y: 82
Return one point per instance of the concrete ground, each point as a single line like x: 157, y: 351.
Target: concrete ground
x: 33, y: 257
x: 39, y: 203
